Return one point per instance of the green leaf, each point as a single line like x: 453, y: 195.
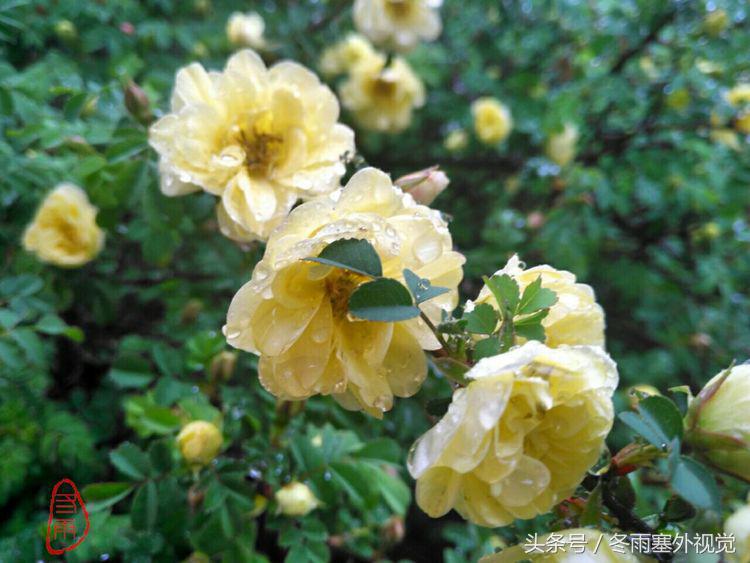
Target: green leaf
x: 51, y: 324
x: 9, y: 318
x: 487, y: 348
x: 536, y: 297
x: 694, y: 483
x: 130, y: 460
x: 383, y: 300
x: 658, y: 421
x: 531, y: 332
x: 592, y: 511
x: 355, y: 255
x: 421, y: 288
x: 676, y: 509
x: 160, y: 455
x: 145, y: 507
x: 125, y: 379
x: 99, y: 496
x: 505, y: 290
x: 481, y: 320
x: 381, y: 449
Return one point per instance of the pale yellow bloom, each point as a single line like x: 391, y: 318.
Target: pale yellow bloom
x: 739, y: 95
x: 719, y: 426
x: 296, y: 499
x: 199, y: 442
x: 715, y: 22
x: 294, y: 313
x: 492, y: 120
x: 520, y: 437
x: 259, y: 138
x: 726, y: 137
x: 738, y: 525
x: 561, y: 146
x: 398, y: 24
x: 349, y: 53
x: 456, y: 140
x: 64, y: 230
x: 246, y: 30
x: 381, y: 97
x: 577, y: 545
x: 576, y: 317
x: 742, y: 124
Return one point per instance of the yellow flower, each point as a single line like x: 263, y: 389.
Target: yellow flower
x: 738, y: 525
x: 577, y: 545
x: 576, y: 317
x: 715, y: 22
x: 259, y: 138
x: 199, y: 442
x: 456, y: 140
x: 718, y: 422
x: 296, y: 499
x: 726, y: 137
x: 382, y: 98
x: 492, y: 120
x: 398, y: 24
x: 349, y: 53
x: 739, y: 95
x: 246, y: 30
x: 293, y: 313
x: 520, y: 437
x: 561, y: 147
x: 64, y: 230
x: 742, y: 124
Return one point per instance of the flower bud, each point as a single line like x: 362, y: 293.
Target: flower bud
x: 199, y: 442
x: 137, y: 102
x: 191, y: 311
x: 246, y: 30
x: 561, y: 147
x: 66, y: 31
x: 296, y: 499
x: 738, y: 525
x: 425, y: 185
x: 393, y: 530
x: 222, y: 366
x: 718, y: 422
x: 638, y: 392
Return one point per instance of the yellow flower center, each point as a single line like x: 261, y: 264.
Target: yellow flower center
x: 340, y: 284
x: 383, y: 87
x: 261, y: 144
x: 399, y: 9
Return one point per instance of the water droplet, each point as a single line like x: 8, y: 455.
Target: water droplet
x: 327, y: 476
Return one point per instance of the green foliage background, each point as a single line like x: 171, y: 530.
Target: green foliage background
x: 100, y: 366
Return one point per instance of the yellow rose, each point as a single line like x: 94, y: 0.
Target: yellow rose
x: 296, y: 499
x: 742, y: 124
x: 349, y: 53
x: 561, y: 147
x: 726, y: 137
x: 382, y: 98
x: 293, y: 313
x: 246, y: 30
x: 199, y: 442
x: 259, y: 138
x: 398, y: 24
x: 520, y: 437
x: 576, y: 317
x: 715, y: 22
x: 456, y: 140
x: 718, y: 422
x: 738, y: 525
x: 739, y: 95
x: 577, y: 545
x: 64, y: 230
x: 492, y: 120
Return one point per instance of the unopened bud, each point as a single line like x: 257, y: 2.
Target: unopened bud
x: 701, y: 340
x: 535, y: 220
x: 718, y: 422
x: 202, y: 7
x: 296, y: 499
x: 199, y: 442
x: 638, y: 392
x: 738, y: 526
x: 561, y: 146
x: 200, y: 51
x: 222, y: 365
x: 127, y: 28
x: 393, y: 530
x: 89, y: 108
x: 137, y: 102
x: 424, y: 185
x: 191, y: 311
x: 66, y: 31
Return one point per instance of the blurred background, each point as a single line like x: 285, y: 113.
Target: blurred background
x: 651, y: 211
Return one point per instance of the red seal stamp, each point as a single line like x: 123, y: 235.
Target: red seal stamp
x: 68, y: 522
